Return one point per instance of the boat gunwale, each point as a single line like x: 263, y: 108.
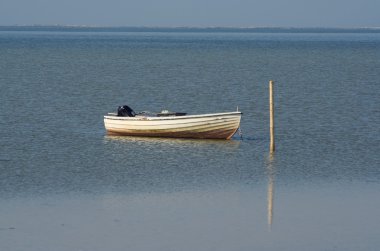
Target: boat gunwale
x: 150, y: 118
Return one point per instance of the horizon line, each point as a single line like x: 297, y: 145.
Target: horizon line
x: 84, y: 28
x: 188, y: 27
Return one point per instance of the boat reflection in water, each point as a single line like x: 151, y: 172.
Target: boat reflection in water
x: 180, y: 142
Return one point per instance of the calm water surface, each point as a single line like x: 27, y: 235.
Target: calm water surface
x: 65, y: 185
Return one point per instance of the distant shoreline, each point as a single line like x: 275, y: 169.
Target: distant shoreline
x: 81, y: 28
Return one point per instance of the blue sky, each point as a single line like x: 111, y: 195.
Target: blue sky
x: 194, y: 13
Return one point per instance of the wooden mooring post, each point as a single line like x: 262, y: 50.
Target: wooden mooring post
x: 271, y: 114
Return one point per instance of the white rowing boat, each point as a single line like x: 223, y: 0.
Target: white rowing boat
x: 205, y: 126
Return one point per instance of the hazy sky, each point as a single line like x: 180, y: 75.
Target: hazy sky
x: 237, y: 13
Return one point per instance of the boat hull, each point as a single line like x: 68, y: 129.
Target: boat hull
x: 205, y: 126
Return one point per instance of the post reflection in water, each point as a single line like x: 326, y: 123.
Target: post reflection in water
x: 271, y: 174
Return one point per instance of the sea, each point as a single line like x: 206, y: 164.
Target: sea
x: 65, y: 185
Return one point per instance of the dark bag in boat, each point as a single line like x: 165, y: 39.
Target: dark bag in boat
x: 125, y: 111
